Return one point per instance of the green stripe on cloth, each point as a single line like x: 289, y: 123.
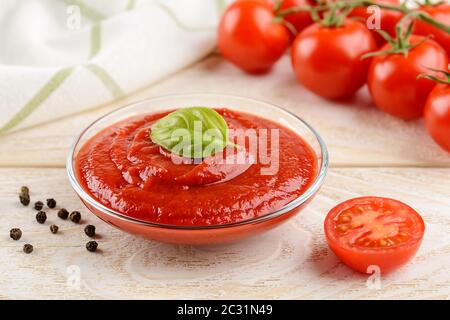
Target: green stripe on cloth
x: 38, y: 98
x: 86, y: 11
x: 178, y: 22
x: 96, y: 39
x: 131, y: 4
x: 107, y: 80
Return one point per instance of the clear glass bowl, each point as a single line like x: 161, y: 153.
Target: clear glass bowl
x: 208, y: 234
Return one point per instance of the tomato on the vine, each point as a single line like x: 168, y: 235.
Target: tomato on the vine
x: 300, y: 20
x: 327, y: 60
x: 248, y: 36
x: 393, y: 82
x: 441, y: 13
x: 388, y: 19
x: 374, y: 231
x: 437, y: 115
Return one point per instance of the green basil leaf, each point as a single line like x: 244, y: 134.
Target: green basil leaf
x: 195, y: 132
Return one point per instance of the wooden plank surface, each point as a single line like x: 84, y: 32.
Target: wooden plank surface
x: 371, y: 154
x: 357, y: 134
x: 299, y: 264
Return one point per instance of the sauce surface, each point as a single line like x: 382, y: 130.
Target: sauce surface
x: 123, y: 169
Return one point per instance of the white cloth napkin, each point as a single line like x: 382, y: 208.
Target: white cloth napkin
x: 59, y: 57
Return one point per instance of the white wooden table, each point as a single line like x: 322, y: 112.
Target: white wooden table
x: 371, y: 154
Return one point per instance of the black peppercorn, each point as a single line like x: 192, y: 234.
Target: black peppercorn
x: 91, y: 246
x: 38, y: 205
x: 41, y: 216
x: 24, y: 189
x: 63, y: 213
x: 51, y: 203
x: 54, y: 228
x: 24, y: 199
x: 75, y: 216
x: 89, y: 230
x: 15, y: 233
x: 28, y: 248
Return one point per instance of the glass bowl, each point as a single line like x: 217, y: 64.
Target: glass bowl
x: 207, y: 234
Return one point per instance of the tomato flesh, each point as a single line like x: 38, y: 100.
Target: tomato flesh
x: 376, y: 231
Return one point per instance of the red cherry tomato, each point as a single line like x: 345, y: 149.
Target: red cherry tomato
x: 249, y: 38
x: 437, y: 115
x: 327, y: 60
x: 393, y: 82
x: 388, y: 19
x: 374, y: 231
x: 299, y: 20
x: 442, y: 14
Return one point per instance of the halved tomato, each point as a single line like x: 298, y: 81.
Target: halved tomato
x: 374, y: 231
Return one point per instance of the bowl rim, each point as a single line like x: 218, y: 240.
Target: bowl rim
x: 304, y: 197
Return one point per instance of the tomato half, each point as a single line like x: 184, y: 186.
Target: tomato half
x: 248, y: 37
x: 327, y: 60
x: 442, y: 14
x: 437, y: 115
x: 393, y: 82
x: 388, y: 19
x: 374, y: 231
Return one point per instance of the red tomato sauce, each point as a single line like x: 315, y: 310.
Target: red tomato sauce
x: 124, y: 170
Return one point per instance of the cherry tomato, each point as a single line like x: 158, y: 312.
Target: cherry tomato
x: 442, y: 14
x: 299, y: 20
x: 393, y: 82
x: 388, y: 19
x: 249, y: 38
x: 437, y: 115
x: 327, y: 60
x: 374, y: 231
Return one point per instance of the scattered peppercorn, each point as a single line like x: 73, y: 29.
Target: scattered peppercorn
x: 89, y: 230
x: 75, y: 216
x: 51, y: 203
x: 41, y: 216
x: 38, y: 205
x: 27, y: 248
x: 24, y: 189
x: 15, y: 233
x: 91, y: 246
x: 24, y: 199
x: 54, y: 228
x: 63, y: 213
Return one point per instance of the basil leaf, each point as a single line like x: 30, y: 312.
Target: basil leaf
x: 195, y: 132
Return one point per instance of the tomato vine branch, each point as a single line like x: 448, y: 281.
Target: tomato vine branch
x: 445, y: 74
x: 348, y: 5
x: 401, y: 43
